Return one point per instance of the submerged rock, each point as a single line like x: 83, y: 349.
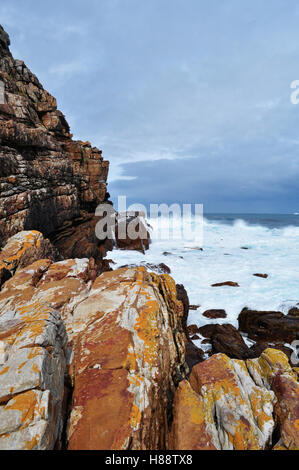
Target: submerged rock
x: 215, y: 313
x: 227, y: 283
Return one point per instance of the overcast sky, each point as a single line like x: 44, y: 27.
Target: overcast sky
x: 188, y: 99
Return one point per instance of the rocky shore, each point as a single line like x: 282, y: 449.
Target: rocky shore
x: 95, y: 358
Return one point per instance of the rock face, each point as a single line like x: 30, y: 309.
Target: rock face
x: 32, y: 366
x: 119, y: 337
x: 48, y: 182
x: 127, y: 361
x: 235, y: 405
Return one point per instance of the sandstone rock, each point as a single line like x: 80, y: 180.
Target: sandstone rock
x: 268, y: 326
x: 46, y: 179
x: 32, y: 367
x: 214, y: 314
x: 227, y: 283
x: 127, y: 358
x: 232, y: 404
x: 23, y: 249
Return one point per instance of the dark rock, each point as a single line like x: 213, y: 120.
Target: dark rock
x: 194, y: 355
x: 5, y: 274
x: 214, y: 314
x: 294, y: 312
x: 182, y: 296
x: 158, y: 268
x: 257, y: 349
x: 268, y: 326
x: 227, y: 340
x: 207, y: 331
x: 194, y: 307
x: 192, y: 330
x: 227, y: 283
x: 264, y: 276
x: 132, y: 232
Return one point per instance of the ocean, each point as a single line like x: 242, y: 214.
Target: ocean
x: 235, y: 246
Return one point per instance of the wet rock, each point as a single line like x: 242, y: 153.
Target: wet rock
x: 294, y: 312
x: 194, y: 355
x: 215, y: 313
x: 192, y: 330
x: 227, y: 340
x: 195, y: 337
x: 227, y: 283
x: 132, y: 232
x: 268, y: 326
x: 158, y: 268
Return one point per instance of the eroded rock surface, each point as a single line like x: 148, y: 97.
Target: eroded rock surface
x: 236, y: 405
x: 32, y: 367
x: 48, y: 182
x: 127, y: 361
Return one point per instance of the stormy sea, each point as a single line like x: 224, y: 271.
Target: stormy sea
x: 229, y: 247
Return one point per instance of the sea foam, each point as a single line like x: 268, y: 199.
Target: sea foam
x: 231, y: 252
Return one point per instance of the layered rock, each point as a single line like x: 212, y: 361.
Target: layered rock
x: 125, y: 352
x: 236, y: 405
x: 127, y: 361
x: 48, y: 182
x: 32, y: 367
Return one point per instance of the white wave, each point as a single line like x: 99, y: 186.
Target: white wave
x: 271, y: 251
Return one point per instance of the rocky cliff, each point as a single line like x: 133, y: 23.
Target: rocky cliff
x: 48, y: 181
x: 103, y: 361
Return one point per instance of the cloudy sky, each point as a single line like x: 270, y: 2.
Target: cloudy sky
x: 188, y: 99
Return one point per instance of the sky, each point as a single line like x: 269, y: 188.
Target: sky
x: 188, y: 99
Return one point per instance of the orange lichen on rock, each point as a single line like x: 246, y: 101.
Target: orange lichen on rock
x: 238, y: 405
x: 130, y: 353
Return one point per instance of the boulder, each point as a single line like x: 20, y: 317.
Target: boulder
x: 213, y: 314
x: 269, y: 326
x: 234, y: 405
x: 132, y: 232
